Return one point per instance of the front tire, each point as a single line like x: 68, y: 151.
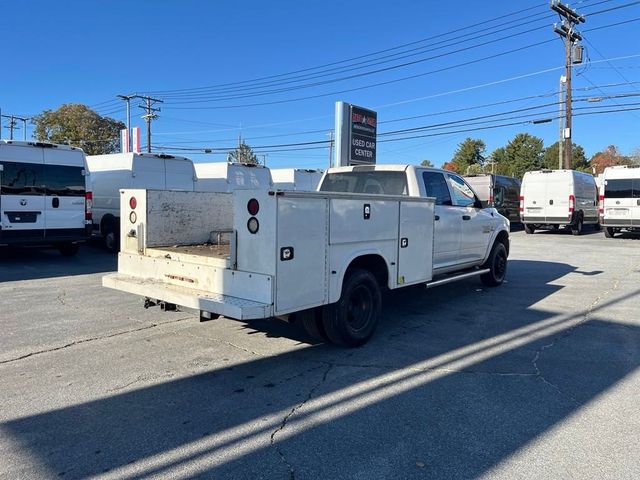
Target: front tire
x: 529, y: 229
x: 497, y: 265
x: 351, y: 321
x: 609, y: 232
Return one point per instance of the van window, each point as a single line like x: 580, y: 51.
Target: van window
x: 22, y: 178
x: 463, y: 196
x: 622, y: 188
x: 64, y: 181
x: 436, y: 186
x: 378, y: 182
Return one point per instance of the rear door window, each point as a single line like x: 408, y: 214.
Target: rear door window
x: 619, y: 188
x: 64, y: 181
x: 378, y: 182
x: 436, y: 186
x: 22, y: 178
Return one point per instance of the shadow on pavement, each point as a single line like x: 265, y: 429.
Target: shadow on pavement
x: 456, y: 379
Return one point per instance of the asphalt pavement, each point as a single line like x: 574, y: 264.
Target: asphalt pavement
x: 537, y: 378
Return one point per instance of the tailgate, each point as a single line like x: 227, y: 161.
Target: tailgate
x: 226, y: 305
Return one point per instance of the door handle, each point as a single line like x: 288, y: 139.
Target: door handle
x: 438, y: 216
x: 55, y: 202
x: 466, y: 217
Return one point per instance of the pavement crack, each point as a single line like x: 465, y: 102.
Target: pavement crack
x: 86, y: 340
x: 283, y: 424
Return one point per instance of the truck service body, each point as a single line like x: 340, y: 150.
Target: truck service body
x: 620, y: 199
x: 227, y: 177
x: 112, y: 172
x: 323, y: 256
x: 558, y: 198
x: 45, y: 198
x: 302, y: 180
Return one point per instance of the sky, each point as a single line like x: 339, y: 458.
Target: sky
x: 271, y: 72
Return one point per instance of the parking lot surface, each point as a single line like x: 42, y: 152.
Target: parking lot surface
x: 538, y: 378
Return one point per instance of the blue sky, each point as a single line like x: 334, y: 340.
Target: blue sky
x: 89, y: 51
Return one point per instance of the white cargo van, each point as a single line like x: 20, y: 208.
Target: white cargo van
x: 44, y: 197
x: 110, y: 173
x: 620, y: 199
x: 228, y: 177
x: 298, y: 179
x: 555, y: 198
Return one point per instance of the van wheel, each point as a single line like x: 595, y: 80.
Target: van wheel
x: 576, y: 228
x: 497, y: 265
x: 112, y: 242
x: 311, y: 321
x: 609, y: 232
x: 68, y: 249
x: 529, y: 229
x: 351, y: 321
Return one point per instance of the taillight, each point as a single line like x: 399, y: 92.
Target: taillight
x: 572, y: 203
x: 521, y: 204
x: 601, y: 205
x: 88, y: 206
x: 133, y: 203
x: 491, y: 200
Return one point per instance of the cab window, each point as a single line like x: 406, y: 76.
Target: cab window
x: 463, y: 196
x: 436, y: 186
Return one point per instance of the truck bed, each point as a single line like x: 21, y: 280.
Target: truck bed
x: 206, y: 253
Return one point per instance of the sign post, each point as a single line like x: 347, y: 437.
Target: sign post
x: 356, y: 130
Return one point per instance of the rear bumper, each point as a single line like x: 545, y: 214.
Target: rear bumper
x: 546, y: 220
x: 43, y: 237
x: 225, y: 305
x: 615, y: 222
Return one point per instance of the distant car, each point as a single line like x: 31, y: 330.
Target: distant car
x: 44, y: 199
x: 498, y: 191
x: 111, y: 173
x: 620, y: 200
x: 557, y: 198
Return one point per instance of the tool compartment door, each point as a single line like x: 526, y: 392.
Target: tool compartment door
x: 302, y: 238
x: 415, y: 242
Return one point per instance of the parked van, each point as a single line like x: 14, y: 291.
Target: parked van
x: 111, y: 173
x: 44, y: 199
x: 498, y: 191
x: 227, y: 177
x: 303, y: 180
x: 556, y: 198
x: 620, y: 199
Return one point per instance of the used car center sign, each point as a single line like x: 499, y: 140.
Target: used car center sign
x: 356, y: 129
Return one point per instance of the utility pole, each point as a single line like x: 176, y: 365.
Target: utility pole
x: 127, y: 98
x: 330, y: 148
x: 560, y: 120
x: 14, y: 125
x: 567, y: 30
x: 150, y: 114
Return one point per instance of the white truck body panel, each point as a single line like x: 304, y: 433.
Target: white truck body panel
x: 111, y: 173
x: 42, y: 192
x: 620, y: 197
x: 298, y: 179
x: 228, y: 177
x: 546, y: 197
x: 252, y: 275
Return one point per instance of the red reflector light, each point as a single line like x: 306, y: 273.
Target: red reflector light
x: 88, y: 206
x: 133, y: 203
x: 601, y: 206
x: 253, y: 207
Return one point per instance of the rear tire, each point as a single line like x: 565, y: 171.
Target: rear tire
x: 609, y: 232
x: 529, y: 229
x: 351, y: 321
x: 311, y: 321
x: 497, y: 265
x: 68, y: 249
x: 576, y: 229
x: 112, y: 242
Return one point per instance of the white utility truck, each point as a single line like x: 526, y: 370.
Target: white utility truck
x: 620, y: 199
x: 227, y: 177
x: 44, y: 196
x: 324, y: 256
x: 557, y: 198
x: 110, y: 173
x: 298, y: 179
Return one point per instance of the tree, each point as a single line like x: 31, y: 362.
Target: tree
x: 449, y: 166
x: 470, y: 152
x: 578, y: 157
x: 426, y: 163
x: 524, y: 153
x: 243, y: 154
x: 78, y: 125
x: 608, y: 157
